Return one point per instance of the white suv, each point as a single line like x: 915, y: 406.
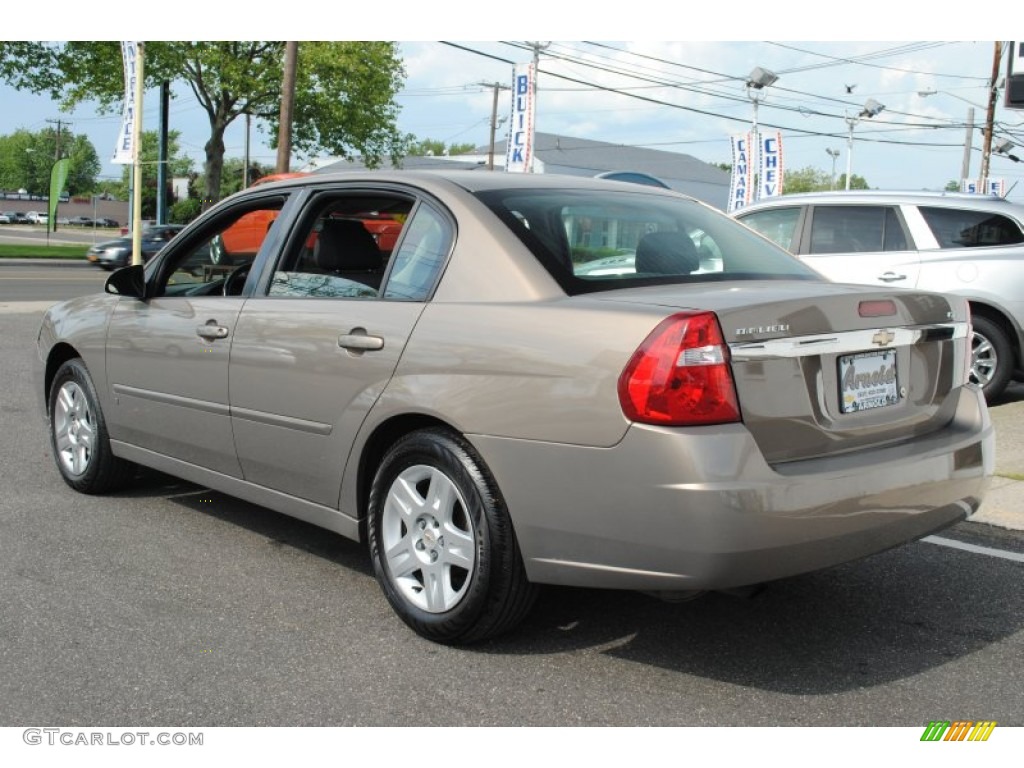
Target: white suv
x: 969, y: 245
x: 35, y: 217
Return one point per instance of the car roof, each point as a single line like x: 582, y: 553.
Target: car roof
x: 471, y: 181
x: 877, y: 196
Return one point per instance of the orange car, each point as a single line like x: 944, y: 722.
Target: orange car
x: 243, y: 239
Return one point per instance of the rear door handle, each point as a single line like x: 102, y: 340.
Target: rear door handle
x: 212, y: 331
x: 891, y: 277
x: 358, y: 340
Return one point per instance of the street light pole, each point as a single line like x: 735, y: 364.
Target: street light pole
x: 833, y: 153
x: 760, y: 78
x: 871, y: 108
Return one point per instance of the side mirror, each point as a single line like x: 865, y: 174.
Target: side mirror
x: 127, y: 281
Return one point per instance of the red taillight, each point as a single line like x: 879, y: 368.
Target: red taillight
x: 680, y: 375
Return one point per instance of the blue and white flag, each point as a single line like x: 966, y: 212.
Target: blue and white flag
x: 770, y: 171
x: 741, y: 185
x: 519, y: 155
x: 123, y: 152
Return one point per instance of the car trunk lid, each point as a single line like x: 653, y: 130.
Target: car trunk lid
x: 823, y: 368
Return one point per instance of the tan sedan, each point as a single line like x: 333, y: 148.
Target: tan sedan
x: 547, y: 380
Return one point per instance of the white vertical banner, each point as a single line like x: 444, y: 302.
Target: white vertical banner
x: 519, y: 155
x: 742, y: 182
x: 770, y: 171
x: 125, y: 140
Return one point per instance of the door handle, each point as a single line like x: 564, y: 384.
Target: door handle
x: 891, y: 277
x: 359, y: 341
x: 212, y: 331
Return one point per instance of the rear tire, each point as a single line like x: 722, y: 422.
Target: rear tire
x: 991, y: 357
x: 78, y: 434
x: 442, y: 543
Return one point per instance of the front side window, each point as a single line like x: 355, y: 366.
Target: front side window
x: 959, y: 228
x: 217, y: 259
x: 592, y: 240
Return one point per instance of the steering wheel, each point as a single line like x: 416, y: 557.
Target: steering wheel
x: 235, y: 281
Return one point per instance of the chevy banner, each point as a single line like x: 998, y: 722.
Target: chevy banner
x: 123, y: 151
x: 769, y: 173
x: 741, y: 186
x: 519, y: 155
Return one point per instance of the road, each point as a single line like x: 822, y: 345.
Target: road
x: 171, y: 604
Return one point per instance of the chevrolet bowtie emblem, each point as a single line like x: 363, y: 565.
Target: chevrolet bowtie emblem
x: 883, y: 338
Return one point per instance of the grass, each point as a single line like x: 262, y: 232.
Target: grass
x: 8, y: 251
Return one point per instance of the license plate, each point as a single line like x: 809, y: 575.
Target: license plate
x: 868, y: 380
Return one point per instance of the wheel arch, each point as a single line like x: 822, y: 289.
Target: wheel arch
x: 386, y: 434
x: 59, y: 354
x: 1002, y: 319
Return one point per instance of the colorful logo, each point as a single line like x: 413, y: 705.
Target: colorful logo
x: 958, y: 730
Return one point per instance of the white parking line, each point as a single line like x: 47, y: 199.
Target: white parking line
x: 942, y: 542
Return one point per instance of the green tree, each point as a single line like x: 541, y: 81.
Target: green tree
x: 437, y: 148
x: 806, y: 180
x: 177, y: 166
x: 344, y: 98
x: 952, y: 186
x: 856, y: 182
x: 26, y: 159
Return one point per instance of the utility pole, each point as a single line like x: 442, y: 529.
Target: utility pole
x: 245, y: 166
x: 965, y: 169
x: 990, y: 116
x: 162, y: 154
x: 284, y: 132
x: 494, y: 119
x: 56, y: 151
x: 537, y: 48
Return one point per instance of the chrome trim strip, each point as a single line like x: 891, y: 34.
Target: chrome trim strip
x: 843, y: 343
x: 220, y: 409
x: 288, y: 422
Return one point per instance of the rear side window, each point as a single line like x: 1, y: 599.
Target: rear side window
x: 856, y: 229
x: 594, y: 240
x: 777, y: 224
x: 959, y: 228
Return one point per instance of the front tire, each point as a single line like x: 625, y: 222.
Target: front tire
x: 78, y: 433
x: 991, y: 357
x: 441, y: 541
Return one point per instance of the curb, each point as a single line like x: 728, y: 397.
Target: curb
x: 78, y: 262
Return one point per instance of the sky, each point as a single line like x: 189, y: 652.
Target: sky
x: 622, y: 87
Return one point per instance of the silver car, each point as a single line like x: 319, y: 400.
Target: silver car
x: 490, y: 414
x: 967, y: 245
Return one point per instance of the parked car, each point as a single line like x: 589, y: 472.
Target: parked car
x: 967, y: 245
x: 8, y: 217
x: 111, y: 254
x: 105, y: 222
x: 489, y: 417
x: 80, y: 221
x: 36, y: 217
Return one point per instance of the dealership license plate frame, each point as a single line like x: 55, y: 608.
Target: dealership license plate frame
x: 881, y: 394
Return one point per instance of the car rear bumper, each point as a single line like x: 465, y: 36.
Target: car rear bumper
x: 679, y: 509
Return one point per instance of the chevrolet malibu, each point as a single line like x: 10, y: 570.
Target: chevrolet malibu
x: 489, y: 413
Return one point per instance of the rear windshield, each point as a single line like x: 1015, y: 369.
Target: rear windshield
x: 592, y: 240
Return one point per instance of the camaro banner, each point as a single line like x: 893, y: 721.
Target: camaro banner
x: 741, y: 186
x: 123, y: 150
x: 519, y: 156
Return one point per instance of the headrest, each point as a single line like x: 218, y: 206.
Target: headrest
x: 666, y: 253
x: 344, y: 245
